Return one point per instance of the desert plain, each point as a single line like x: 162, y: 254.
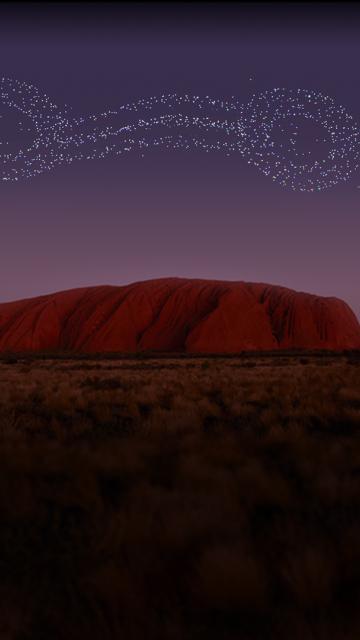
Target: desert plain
x: 175, y: 496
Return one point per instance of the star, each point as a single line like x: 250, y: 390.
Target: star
x: 174, y: 121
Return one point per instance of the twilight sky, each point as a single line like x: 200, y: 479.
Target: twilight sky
x: 177, y: 213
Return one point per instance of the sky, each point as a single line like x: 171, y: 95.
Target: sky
x: 177, y: 212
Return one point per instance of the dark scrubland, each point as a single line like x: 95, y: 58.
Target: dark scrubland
x: 172, y: 497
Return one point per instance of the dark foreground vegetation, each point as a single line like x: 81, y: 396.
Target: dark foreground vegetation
x: 180, y: 498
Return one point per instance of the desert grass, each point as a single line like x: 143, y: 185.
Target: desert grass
x: 180, y: 498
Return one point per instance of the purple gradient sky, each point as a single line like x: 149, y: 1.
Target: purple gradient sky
x: 115, y: 221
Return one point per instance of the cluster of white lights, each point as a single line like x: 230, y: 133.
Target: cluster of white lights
x: 191, y: 122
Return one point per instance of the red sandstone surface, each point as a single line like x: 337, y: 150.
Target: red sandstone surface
x: 177, y: 314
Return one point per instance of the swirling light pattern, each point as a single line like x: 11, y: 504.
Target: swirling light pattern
x: 267, y: 132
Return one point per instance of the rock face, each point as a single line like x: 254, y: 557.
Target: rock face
x: 176, y: 314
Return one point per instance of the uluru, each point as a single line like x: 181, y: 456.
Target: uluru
x: 178, y: 315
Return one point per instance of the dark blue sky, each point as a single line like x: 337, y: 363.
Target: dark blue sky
x: 114, y: 221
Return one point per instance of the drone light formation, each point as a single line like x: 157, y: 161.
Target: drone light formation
x: 266, y: 132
